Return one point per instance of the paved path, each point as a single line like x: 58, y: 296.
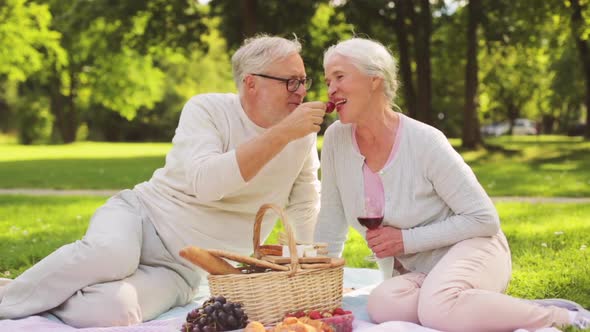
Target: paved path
x: 110, y: 192
x: 57, y: 192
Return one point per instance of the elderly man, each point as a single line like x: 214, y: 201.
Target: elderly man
x: 231, y: 153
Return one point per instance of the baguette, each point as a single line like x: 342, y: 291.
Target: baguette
x: 271, y: 250
x: 207, y: 261
x: 247, y: 260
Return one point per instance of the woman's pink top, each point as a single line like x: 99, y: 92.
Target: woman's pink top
x: 374, y: 194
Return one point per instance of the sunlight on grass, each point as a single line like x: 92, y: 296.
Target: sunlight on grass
x: 8, y: 139
x: 33, y: 227
x: 82, y: 150
x: 533, y: 166
x: 521, y: 166
x: 549, y: 246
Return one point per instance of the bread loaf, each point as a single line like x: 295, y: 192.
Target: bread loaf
x: 271, y: 250
x: 208, y: 262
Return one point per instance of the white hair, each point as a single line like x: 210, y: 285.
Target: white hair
x: 371, y: 58
x: 258, y: 52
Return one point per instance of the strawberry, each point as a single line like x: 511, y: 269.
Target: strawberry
x: 315, y: 314
x: 330, y: 106
x: 299, y: 314
x: 338, y: 312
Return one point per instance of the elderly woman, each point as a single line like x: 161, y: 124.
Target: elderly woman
x: 439, y: 226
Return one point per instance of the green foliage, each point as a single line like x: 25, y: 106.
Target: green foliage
x: 126, y: 68
x: 35, y: 123
x: 315, y: 23
x: 125, y: 83
x: 195, y: 72
x: 448, y: 71
x: 27, y: 39
x: 284, y: 18
x: 327, y: 27
x: 532, y: 39
x: 199, y: 71
x: 509, y: 96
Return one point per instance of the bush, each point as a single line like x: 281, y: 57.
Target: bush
x: 35, y: 122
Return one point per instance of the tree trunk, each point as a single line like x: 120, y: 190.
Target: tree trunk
x: 577, y: 26
x: 4, y: 116
x: 405, y: 61
x: 64, y: 110
x: 249, y: 28
x: 422, y: 29
x: 471, y: 133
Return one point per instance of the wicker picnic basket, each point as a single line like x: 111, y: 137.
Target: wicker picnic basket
x: 267, y: 296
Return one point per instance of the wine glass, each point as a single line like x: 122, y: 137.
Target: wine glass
x: 372, y: 219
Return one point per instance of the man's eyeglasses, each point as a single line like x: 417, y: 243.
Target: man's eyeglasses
x: 291, y: 83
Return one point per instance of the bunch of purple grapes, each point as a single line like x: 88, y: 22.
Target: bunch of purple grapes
x: 216, y: 315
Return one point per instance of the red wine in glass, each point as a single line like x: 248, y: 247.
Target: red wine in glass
x: 371, y: 218
x: 370, y: 222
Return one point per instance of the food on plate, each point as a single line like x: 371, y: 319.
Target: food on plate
x: 255, y: 327
x: 338, y: 319
x: 291, y: 324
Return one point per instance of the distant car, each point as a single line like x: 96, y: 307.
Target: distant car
x: 495, y: 129
x: 524, y: 127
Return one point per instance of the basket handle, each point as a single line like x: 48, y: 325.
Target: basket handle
x: 288, y: 229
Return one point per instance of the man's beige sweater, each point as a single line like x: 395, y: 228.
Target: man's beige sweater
x: 200, y: 198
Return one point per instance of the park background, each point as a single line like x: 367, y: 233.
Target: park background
x: 91, y: 92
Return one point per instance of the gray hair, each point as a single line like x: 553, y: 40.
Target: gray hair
x: 259, y: 52
x: 371, y: 58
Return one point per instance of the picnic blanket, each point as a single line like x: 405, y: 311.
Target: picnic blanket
x: 361, y: 280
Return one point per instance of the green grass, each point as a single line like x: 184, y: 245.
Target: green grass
x: 533, y: 166
x: 33, y: 227
x: 7, y: 139
x: 83, y: 165
x: 522, y: 166
x: 548, y: 241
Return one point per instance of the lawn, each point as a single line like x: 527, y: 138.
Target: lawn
x: 520, y: 166
x: 81, y: 165
x: 533, y: 166
x: 548, y: 241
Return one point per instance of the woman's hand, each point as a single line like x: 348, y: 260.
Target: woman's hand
x: 385, y: 241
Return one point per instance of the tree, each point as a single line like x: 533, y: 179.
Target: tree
x: 111, y: 47
x: 316, y: 24
x: 284, y: 18
x: 412, y: 22
x: 471, y: 133
x: 27, y: 38
x: 532, y: 40
x: 27, y: 43
x: 405, y: 62
x: 580, y: 33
